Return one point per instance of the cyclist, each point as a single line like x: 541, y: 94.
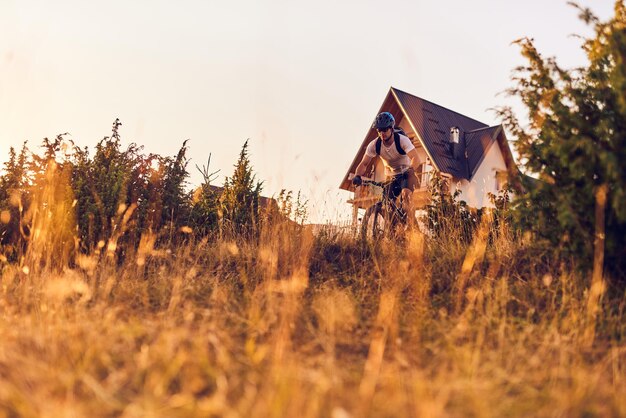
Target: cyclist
x: 399, y: 157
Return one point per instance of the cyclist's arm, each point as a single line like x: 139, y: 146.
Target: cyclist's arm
x: 360, y: 170
x: 415, y: 159
x: 411, y: 152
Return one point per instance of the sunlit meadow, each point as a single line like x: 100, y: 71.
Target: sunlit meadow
x: 301, y: 323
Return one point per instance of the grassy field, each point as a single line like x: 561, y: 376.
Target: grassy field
x: 297, y: 325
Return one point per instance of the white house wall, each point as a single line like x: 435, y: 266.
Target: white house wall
x: 475, y: 192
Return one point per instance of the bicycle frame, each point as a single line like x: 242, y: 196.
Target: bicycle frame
x: 385, y: 216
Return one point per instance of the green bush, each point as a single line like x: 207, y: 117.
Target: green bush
x: 576, y: 147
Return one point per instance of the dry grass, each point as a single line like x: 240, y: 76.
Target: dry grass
x: 301, y: 326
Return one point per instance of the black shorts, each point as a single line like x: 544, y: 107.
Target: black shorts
x: 397, y: 183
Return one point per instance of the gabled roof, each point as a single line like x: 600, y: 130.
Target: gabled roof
x: 477, y: 144
x: 431, y: 125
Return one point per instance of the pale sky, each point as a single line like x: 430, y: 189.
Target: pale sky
x: 302, y: 79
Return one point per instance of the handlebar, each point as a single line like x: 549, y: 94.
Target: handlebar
x: 365, y: 181
x: 373, y: 183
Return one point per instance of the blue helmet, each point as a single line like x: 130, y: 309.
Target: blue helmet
x: 383, y: 121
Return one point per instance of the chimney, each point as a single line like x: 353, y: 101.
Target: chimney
x: 457, y: 143
x: 454, y: 135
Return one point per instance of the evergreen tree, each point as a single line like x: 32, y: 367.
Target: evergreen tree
x: 15, y: 175
x: 175, y: 199
x: 14, y: 200
x: 576, y: 144
x: 106, y: 183
x: 240, y: 197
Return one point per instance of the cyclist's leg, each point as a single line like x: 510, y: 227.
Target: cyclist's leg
x: 409, y: 186
x: 397, y: 187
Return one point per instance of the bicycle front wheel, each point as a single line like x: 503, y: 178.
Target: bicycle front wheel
x: 373, y: 224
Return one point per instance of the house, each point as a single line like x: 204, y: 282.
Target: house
x: 474, y: 157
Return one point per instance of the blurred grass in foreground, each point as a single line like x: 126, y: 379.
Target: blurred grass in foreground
x: 299, y: 325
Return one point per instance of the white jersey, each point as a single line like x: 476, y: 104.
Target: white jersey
x: 395, y: 163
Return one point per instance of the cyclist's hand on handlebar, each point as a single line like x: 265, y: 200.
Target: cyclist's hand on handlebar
x: 356, y: 180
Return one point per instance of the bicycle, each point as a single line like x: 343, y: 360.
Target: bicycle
x: 385, y: 218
